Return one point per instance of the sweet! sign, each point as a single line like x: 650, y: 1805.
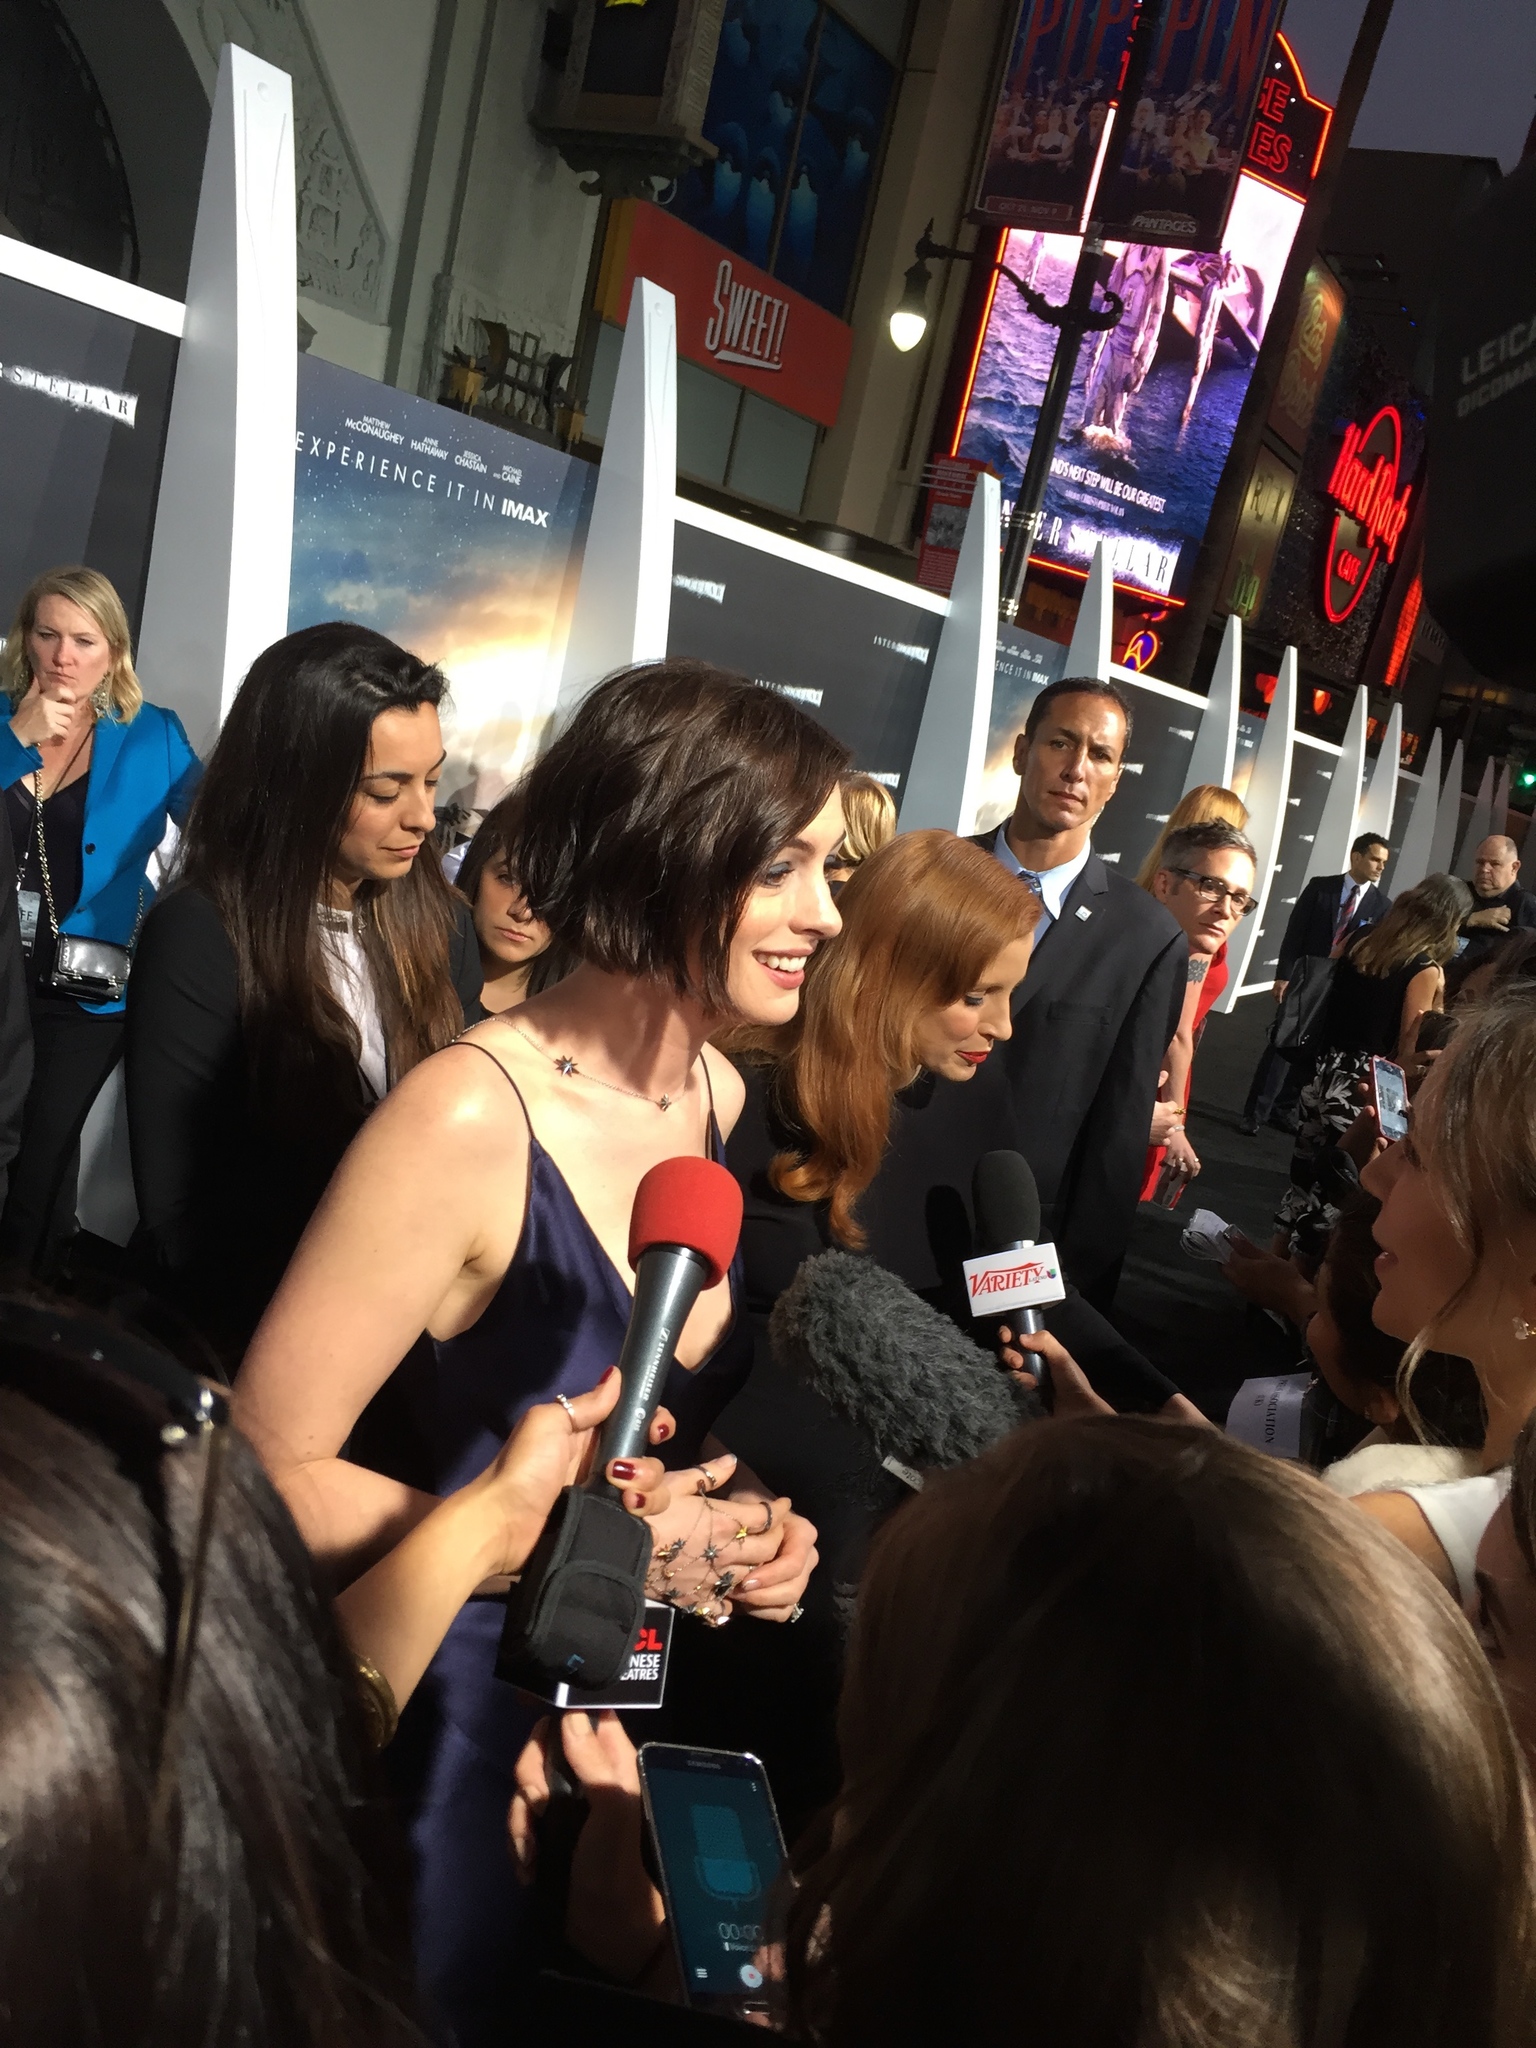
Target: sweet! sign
x: 732, y: 318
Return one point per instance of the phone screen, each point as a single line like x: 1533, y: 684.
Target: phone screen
x: 1391, y: 1089
x: 720, y: 1852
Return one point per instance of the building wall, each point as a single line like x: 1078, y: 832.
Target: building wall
x: 426, y: 200
x: 867, y: 473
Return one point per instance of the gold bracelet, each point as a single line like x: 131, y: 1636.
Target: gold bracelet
x: 381, y: 1717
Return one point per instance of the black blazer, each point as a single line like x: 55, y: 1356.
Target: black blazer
x: 1309, y: 929
x: 1092, y: 1021
x: 223, y: 1197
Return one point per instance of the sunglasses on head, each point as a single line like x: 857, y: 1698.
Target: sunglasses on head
x: 138, y: 1402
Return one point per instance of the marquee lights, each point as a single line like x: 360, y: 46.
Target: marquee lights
x: 1371, y: 512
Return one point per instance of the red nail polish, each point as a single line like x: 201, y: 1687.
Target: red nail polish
x: 621, y: 1468
x: 663, y: 1431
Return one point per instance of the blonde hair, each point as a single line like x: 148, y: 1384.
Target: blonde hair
x: 869, y: 817
x: 1206, y: 804
x: 119, y: 694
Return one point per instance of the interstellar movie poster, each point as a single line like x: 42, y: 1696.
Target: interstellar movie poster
x: 455, y: 537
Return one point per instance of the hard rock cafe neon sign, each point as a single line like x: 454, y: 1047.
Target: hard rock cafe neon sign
x: 1370, y: 511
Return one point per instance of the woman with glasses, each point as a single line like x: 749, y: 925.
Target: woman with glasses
x: 1384, y: 982
x: 310, y: 954
x: 1205, y: 876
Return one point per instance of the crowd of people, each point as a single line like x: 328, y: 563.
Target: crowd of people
x: 389, y: 1103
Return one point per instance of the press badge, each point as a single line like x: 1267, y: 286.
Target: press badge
x: 29, y: 906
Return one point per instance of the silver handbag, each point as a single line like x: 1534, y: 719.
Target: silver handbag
x: 89, y: 970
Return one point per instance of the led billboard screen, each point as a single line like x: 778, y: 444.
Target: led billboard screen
x: 1154, y: 402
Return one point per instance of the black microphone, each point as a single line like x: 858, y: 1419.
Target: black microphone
x: 1006, y: 1199
x: 575, y: 1616
x: 897, y: 1371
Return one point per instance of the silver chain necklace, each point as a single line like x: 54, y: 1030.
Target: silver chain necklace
x: 567, y: 1066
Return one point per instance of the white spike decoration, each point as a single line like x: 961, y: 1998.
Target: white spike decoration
x: 1498, y: 820
x: 1478, y: 825
x: 1268, y: 787
x: 1336, y: 827
x: 1093, y: 636
x: 1215, y: 747
x: 1447, y: 817
x: 944, y: 782
x: 1381, y: 794
x: 217, y: 589
x: 1412, y: 863
x: 624, y: 600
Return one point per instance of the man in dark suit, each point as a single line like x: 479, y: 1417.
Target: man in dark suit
x: 1500, y: 906
x: 1093, y: 1017
x: 1330, y: 909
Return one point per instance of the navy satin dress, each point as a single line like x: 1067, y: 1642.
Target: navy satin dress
x: 554, y: 1326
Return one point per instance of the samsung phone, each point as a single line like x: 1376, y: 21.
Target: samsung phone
x: 1389, y: 1090
x: 719, y: 1853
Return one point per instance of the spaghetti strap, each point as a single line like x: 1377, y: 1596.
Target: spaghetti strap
x: 474, y: 1045
x: 714, y: 1127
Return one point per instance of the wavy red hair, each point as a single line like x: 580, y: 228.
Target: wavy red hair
x: 922, y: 920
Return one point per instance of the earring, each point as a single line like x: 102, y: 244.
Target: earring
x: 1523, y: 1329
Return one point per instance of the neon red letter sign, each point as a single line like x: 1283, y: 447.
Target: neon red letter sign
x: 1371, y: 511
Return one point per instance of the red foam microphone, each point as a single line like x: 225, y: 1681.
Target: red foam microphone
x: 682, y: 1237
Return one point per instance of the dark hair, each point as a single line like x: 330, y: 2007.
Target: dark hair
x: 269, y: 1906
x: 1212, y: 837
x: 491, y: 848
x: 262, y: 841
x: 1447, y: 1397
x: 1077, y: 686
x: 652, y: 816
x: 1369, y: 839
x: 1370, y: 1880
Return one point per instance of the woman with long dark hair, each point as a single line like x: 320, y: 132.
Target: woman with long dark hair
x: 675, y: 837
x: 518, y: 955
x: 1384, y: 982
x: 309, y: 955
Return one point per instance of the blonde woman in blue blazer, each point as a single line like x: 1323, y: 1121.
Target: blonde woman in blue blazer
x: 91, y: 776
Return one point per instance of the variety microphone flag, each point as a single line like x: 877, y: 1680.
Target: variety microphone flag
x: 1008, y: 1281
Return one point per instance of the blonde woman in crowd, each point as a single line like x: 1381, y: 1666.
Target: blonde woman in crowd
x: 869, y: 814
x: 92, y: 775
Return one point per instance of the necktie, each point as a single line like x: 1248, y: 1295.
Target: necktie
x: 1031, y: 882
x: 1346, y: 910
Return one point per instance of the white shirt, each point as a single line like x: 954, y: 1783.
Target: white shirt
x: 346, y: 968
x: 1054, y: 882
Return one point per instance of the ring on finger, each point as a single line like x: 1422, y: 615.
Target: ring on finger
x: 767, y: 1519
x: 709, y: 1478
x: 570, y: 1412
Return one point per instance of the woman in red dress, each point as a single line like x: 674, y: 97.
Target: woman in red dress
x: 1205, y: 876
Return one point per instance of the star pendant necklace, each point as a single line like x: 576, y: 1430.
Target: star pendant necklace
x: 567, y: 1066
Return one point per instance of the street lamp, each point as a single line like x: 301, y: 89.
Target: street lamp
x: 909, y: 322
x: 1075, y: 319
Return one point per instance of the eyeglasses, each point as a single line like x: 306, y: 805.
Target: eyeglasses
x: 1210, y: 890
x: 138, y: 1402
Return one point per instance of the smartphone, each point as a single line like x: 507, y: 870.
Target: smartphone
x: 719, y: 1853
x: 1389, y: 1088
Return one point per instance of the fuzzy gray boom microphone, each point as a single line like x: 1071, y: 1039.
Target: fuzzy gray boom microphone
x: 895, y: 1369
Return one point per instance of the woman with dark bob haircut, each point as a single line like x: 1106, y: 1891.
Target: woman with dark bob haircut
x: 309, y: 954
x: 674, y: 837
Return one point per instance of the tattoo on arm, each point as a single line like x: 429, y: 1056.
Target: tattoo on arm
x: 1197, y: 966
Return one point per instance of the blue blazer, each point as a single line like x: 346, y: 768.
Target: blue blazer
x: 141, y: 774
